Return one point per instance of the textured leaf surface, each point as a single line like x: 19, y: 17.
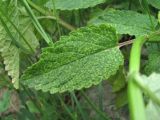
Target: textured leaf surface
x: 126, y: 22
x: 84, y: 58
x: 72, y: 4
x: 8, y: 49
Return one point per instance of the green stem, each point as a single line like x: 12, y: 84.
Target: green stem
x: 144, y: 87
x: 46, y: 13
x: 136, y: 103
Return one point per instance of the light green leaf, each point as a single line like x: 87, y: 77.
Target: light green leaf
x: 72, y: 4
x: 154, y: 109
x: 155, y: 3
x: 9, y: 48
x: 84, y: 58
x: 126, y: 22
x: 151, y: 86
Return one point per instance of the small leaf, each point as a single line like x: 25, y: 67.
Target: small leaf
x: 84, y: 58
x: 72, y: 4
x: 126, y: 22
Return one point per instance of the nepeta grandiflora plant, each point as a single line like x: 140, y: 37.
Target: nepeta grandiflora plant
x: 88, y: 54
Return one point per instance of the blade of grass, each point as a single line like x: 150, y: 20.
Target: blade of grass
x: 93, y: 106
x: 79, y: 106
x: 46, y: 13
x: 144, y: 4
x: 55, y: 13
x: 66, y: 108
x: 36, y: 23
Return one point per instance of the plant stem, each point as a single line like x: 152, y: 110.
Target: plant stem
x: 125, y: 43
x: 136, y: 103
x: 47, y: 13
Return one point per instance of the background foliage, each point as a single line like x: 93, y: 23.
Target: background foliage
x: 69, y: 59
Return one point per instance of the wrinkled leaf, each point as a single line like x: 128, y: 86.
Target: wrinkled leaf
x: 126, y: 22
x: 84, y: 58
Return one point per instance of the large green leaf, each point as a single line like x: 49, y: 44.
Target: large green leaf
x: 9, y: 47
x: 84, y: 58
x: 72, y: 4
x: 126, y: 22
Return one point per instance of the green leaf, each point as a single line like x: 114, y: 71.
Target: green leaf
x: 9, y: 47
x: 151, y: 87
x: 153, y: 63
x: 155, y: 3
x: 154, y: 36
x: 84, y: 58
x: 72, y: 4
x: 126, y: 22
x: 151, y: 83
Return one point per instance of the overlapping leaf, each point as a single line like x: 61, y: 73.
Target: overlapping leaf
x: 152, y: 85
x: 126, y: 22
x: 9, y: 48
x: 155, y: 3
x: 72, y: 4
x: 84, y: 58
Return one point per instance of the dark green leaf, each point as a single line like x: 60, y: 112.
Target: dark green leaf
x: 84, y: 58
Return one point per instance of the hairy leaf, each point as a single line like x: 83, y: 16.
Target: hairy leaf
x: 126, y: 22
x: 84, y: 58
x: 9, y: 47
x: 72, y: 4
